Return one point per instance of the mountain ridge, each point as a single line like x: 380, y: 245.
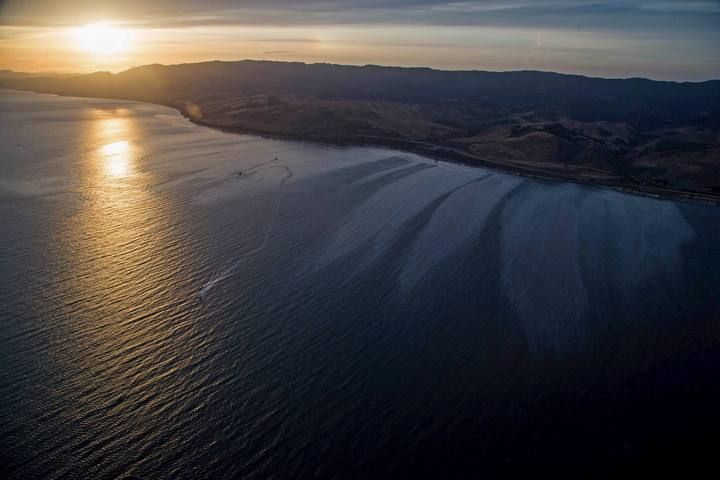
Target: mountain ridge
x: 658, y: 137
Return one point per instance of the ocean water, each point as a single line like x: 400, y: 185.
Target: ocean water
x: 181, y: 303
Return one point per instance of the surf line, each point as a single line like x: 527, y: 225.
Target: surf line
x: 228, y: 271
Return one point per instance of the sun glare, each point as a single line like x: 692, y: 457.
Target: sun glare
x: 103, y: 39
x: 117, y: 157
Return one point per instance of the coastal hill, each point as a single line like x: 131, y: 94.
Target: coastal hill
x: 649, y: 136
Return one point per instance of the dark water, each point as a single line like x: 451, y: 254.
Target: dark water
x: 365, y: 313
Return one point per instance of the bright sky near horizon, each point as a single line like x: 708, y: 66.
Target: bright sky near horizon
x: 662, y: 39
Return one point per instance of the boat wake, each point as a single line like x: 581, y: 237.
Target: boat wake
x: 231, y: 267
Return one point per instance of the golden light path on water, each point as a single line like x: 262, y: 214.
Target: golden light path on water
x: 117, y: 158
x: 123, y: 272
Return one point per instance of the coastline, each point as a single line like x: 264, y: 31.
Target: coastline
x: 446, y: 154
x: 436, y: 152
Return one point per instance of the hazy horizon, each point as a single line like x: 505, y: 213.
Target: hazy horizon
x: 663, y: 40
x: 261, y: 59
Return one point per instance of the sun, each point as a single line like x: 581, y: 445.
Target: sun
x: 101, y: 38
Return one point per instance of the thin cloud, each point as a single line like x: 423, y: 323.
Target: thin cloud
x: 189, y: 13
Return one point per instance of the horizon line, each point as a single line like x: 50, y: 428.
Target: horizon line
x: 405, y: 67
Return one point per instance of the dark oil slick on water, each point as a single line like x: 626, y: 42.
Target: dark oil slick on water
x: 389, y: 317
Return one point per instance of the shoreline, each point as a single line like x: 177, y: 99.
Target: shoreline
x: 436, y: 152
x: 445, y: 154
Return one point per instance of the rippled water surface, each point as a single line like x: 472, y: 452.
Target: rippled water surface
x: 177, y: 302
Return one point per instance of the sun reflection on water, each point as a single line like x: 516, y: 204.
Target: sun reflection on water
x: 114, y: 132
x: 118, y: 300
x: 117, y: 158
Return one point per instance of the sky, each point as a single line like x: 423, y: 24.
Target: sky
x: 660, y: 39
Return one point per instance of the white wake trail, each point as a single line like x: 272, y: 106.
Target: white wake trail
x: 226, y: 272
